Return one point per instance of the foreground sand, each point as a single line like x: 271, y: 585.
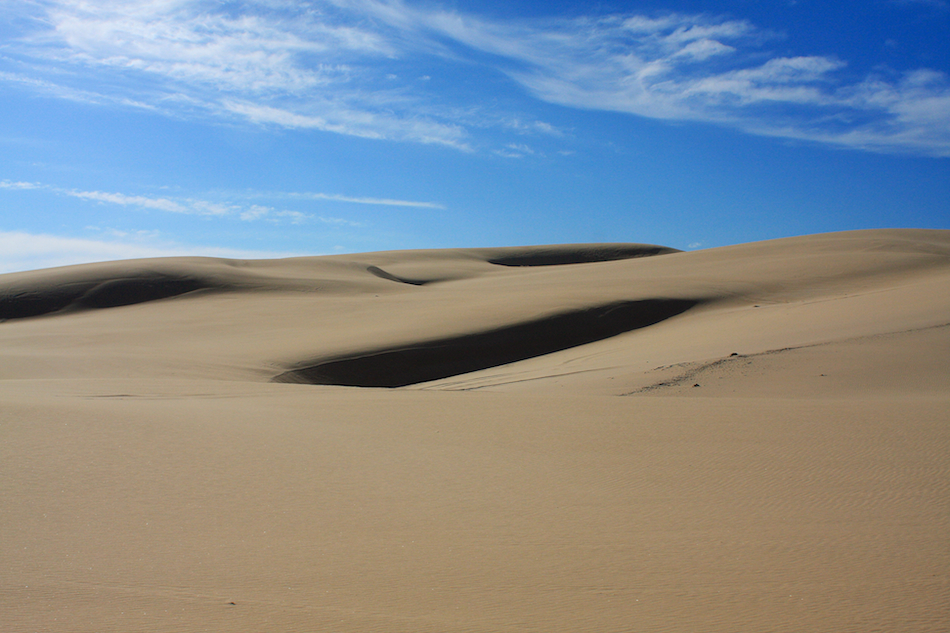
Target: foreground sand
x: 751, y: 438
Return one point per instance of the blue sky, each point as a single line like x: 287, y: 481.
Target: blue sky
x: 269, y: 128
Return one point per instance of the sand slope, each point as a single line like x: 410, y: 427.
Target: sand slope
x: 586, y: 438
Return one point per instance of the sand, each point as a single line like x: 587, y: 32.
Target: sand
x: 615, y: 437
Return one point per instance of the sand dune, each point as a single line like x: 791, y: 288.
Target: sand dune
x: 584, y: 437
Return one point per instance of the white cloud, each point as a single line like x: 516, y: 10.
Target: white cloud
x: 189, y: 206
x: 245, y: 211
x: 691, y: 67
x: 162, y: 204
x: 515, y: 150
x: 339, y: 221
x: 256, y: 212
x: 701, y: 50
x: 528, y: 127
x: 6, y: 184
x: 283, y: 63
x: 345, y: 66
x: 375, y: 201
x: 250, y: 51
x: 59, y: 91
x: 20, y: 251
x: 354, y: 122
x: 192, y: 206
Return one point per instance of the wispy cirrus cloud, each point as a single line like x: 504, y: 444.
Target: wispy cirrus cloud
x: 388, y: 202
x: 189, y: 206
x: 228, y: 207
x: 7, y: 184
x: 160, y: 204
x: 343, y: 119
x: 515, y: 150
x: 268, y: 62
x: 690, y: 67
x: 343, y: 66
x: 68, y: 93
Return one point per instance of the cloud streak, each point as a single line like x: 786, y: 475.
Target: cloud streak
x: 7, y: 184
x: 161, y: 204
x: 342, y: 119
x: 389, y: 202
x: 189, y: 206
x: 246, y: 212
x: 343, y: 66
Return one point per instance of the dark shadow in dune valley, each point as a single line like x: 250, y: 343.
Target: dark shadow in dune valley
x: 435, y: 359
x: 39, y: 300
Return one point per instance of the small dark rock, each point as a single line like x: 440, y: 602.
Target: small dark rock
x: 696, y: 385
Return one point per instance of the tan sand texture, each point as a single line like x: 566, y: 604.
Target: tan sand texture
x: 613, y: 437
